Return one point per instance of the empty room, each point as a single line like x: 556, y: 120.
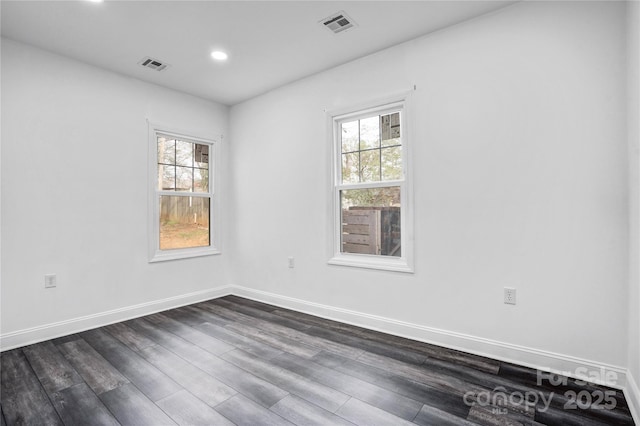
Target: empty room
x: 320, y: 212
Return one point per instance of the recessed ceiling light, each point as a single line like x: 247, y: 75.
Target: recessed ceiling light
x: 219, y: 55
x: 96, y: 1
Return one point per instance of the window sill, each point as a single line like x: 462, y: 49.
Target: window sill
x: 385, y: 263
x: 165, y: 255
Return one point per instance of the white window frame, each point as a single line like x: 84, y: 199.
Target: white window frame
x: 404, y: 263
x: 155, y: 253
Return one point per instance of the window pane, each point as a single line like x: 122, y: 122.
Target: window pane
x: 201, y: 154
x: 350, y: 168
x: 184, y: 179
x: 166, y: 150
x: 370, y: 133
x: 184, y: 153
x: 184, y: 222
x: 371, y: 221
x: 370, y: 166
x: 166, y: 177
x: 200, y: 180
x: 391, y: 163
x: 350, y: 136
x: 390, y: 129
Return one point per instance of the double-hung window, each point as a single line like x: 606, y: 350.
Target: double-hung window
x: 182, y: 196
x: 371, y: 197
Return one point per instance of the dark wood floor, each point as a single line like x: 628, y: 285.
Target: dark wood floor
x: 236, y: 361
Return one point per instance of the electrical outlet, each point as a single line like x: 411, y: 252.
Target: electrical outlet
x: 510, y: 296
x: 50, y: 281
x: 291, y: 262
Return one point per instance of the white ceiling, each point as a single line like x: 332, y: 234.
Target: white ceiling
x: 270, y: 43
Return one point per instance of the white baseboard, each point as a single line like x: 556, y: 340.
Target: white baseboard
x: 632, y: 395
x: 63, y: 328
x: 520, y: 355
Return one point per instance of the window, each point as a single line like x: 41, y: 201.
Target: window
x: 372, y: 225
x: 181, y: 197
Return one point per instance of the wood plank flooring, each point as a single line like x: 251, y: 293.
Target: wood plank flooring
x: 236, y: 361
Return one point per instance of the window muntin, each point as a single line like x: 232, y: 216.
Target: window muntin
x: 182, y: 197
x: 371, y: 149
x: 182, y: 165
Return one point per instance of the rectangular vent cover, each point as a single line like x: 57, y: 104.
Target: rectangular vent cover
x: 154, y: 64
x: 338, y: 22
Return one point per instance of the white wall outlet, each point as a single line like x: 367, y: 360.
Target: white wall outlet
x: 291, y: 262
x: 50, y: 281
x: 510, y: 296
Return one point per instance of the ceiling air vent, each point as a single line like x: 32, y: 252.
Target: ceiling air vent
x: 338, y: 22
x: 154, y: 64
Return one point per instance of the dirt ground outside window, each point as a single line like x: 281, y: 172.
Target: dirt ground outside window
x: 183, y: 235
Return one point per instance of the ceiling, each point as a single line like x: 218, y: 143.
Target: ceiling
x: 270, y: 43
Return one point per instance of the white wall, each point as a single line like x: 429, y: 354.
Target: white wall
x: 74, y: 192
x: 633, y: 114
x: 520, y: 154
